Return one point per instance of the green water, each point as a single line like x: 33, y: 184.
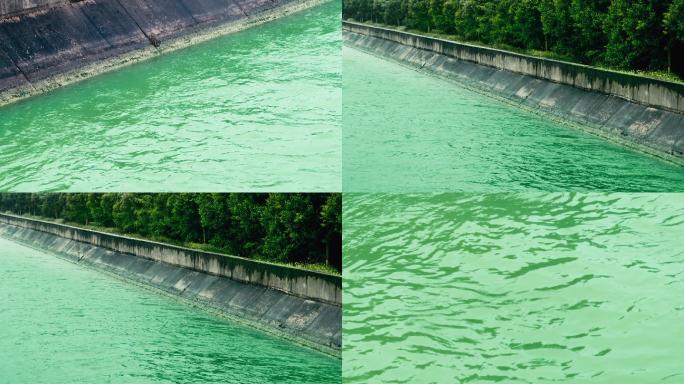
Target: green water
x: 514, y: 288
x: 255, y: 111
x: 61, y: 323
x: 406, y: 131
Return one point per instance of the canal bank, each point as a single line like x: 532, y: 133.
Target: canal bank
x: 639, y: 112
x: 146, y: 127
x: 406, y: 130
x: 63, y: 323
x: 296, y: 304
x: 48, y: 44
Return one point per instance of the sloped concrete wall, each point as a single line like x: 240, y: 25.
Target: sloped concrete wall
x: 293, y: 281
x: 256, y: 293
x: 16, y: 7
x: 649, y: 92
x: 68, y: 40
x: 659, y: 131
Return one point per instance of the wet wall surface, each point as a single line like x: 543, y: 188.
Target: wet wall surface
x: 70, y: 35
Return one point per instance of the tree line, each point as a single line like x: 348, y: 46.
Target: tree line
x: 624, y: 34
x: 281, y: 227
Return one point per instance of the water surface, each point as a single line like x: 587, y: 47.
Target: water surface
x: 406, y: 131
x: 62, y: 323
x: 513, y: 288
x: 259, y: 110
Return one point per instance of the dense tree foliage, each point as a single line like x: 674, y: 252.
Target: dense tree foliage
x: 627, y: 34
x: 294, y: 228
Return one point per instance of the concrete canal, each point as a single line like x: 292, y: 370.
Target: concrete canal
x: 80, y: 325
x: 409, y: 131
x: 250, y: 111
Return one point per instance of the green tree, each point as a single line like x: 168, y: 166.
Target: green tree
x: 448, y: 12
x: 287, y: 220
x: 524, y: 25
x: 77, y: 208
x: 213, y: 212
x: 393, y: 14
x: 633, y: 32
x: 184, y: 221
x: 94, y: 208
x: 588, y: 19
x: 123, y: 212
x: 143, y: 219
x: 331, y: 222
x: 471, y: 20
x: 418, y: 14
x: 438, y: 19
x: 673, y: 24
x: 107, y: 201
x: 557, y: 25
x: 51, y: 205
x: 245, y: 232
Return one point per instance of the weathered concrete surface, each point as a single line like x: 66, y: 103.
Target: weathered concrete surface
x: 650, y: 92
x: 69, y: 41
x: 301, y: 305
x: 600, y: 102
x: 18, y: 7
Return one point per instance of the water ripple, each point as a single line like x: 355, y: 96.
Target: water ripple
x: 257, y: 110
x: 405, y: 131
x: 80, y: 326
x: 530, y: 288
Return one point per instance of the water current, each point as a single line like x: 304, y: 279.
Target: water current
x: 407, y: 131
x: 528, y: 288
x: 63, y: 323
x: 259, y: 110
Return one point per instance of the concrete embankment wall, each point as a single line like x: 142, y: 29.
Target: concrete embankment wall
x: 17, y: 7
x: 637, y: 111
x: 294, y: 303
x: 63, y: 41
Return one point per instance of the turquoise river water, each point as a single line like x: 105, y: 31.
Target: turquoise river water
x: 406, y: 131
x: 259, y: 110
x: 513, y: 288
x: 62, y: 323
